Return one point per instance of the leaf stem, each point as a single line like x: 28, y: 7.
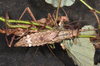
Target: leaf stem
x: 57, y: 10
x: 89, y: 6
x: 23, y: 22
x: 86, y: 36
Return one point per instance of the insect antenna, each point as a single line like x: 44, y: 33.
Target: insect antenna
x: 34, y: 56
x: 54, y: 55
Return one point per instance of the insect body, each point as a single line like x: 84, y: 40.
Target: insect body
x: 47, y: 37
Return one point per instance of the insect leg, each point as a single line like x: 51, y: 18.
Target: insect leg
x: 34, y: 55
x: 54, y: 54
x: 30, y: 12
x: 77, y: 26
x: 7, y: 17
x: 50, y: 20
x: 27, y: 30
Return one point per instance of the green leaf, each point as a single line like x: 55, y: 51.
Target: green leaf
x: 83, y: 52
x: 63, y: 2
x: 89, y: 32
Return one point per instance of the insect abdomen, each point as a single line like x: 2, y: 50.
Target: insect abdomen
x: 41, y: 38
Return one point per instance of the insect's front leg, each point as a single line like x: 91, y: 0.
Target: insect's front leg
x: 6, y: 30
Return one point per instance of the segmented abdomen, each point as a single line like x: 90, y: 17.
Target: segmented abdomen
x: 41, y: 38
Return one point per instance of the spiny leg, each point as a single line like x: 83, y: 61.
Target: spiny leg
x: 54, y: 17
x: 12, y: 40
x: 48, y: 22
x: 7, y: 17
x: 34, y: 55
x: 30, y: 12
x: 54, y: 54
x: 76, y: 26
x: 50, y: 19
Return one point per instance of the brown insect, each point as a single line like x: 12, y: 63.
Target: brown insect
x: 21, y: 31
x: 41, y: 38
x: 47, y: 37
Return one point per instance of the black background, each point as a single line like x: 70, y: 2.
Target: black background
x: 22, y: 56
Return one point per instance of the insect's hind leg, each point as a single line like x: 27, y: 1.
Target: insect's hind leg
x: 54, y: 54
x: 34, y: 56
x: 30, y: 12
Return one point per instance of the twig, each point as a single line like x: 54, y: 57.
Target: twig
x: 57, y: 11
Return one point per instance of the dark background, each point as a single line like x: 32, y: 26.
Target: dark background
x: 22, y: 56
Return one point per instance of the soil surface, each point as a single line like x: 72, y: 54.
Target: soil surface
x: 22, y: 56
